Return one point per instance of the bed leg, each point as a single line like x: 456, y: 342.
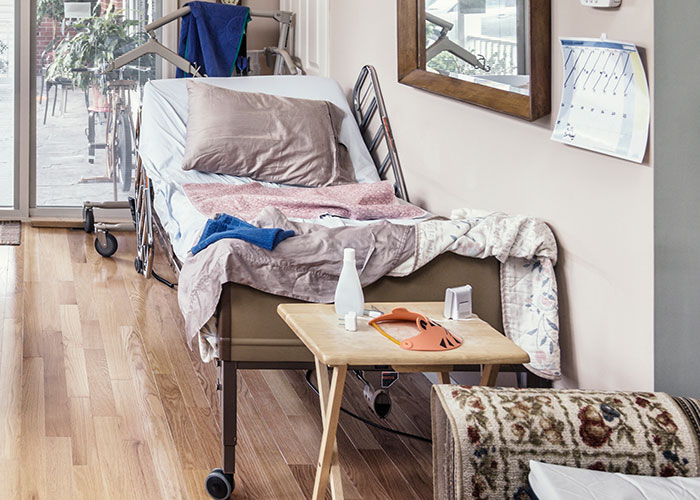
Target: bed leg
x: 219, y: 482
x: 228, y: 398
x: 527, y: 379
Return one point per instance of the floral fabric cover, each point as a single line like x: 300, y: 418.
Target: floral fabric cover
x: 527, y: 251
x: 484, y: 438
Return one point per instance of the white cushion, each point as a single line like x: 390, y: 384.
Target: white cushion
x: 556, y: 482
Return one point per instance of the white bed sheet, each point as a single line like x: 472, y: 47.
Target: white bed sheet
x: 163, y: 137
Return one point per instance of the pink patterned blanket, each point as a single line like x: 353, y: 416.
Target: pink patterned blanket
x: 366, y: 201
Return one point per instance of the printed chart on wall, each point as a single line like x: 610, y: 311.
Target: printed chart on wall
x: 605, y: 98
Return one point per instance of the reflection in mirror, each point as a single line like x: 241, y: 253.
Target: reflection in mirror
x: 480, y: 41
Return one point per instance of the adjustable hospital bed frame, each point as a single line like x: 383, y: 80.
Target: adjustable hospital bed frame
x: 271, y: 345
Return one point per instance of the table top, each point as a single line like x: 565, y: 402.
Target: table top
x: 322, y: 331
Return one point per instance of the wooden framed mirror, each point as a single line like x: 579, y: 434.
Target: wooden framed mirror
x: 492, y: 53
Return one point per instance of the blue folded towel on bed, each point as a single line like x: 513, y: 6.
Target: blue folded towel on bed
x: 226, y: 226
x: 211, y: 36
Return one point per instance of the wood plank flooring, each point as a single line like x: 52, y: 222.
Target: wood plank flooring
x: 100, y: 397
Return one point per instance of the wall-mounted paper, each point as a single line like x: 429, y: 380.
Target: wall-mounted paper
x: 605, y: 98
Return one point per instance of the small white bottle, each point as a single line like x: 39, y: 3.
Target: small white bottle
x: 348, y: 293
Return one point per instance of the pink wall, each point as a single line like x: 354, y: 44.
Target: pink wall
x: 600, y: 208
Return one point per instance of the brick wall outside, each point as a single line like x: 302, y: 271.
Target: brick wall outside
x: 117, y: 3
x: 44, y: 36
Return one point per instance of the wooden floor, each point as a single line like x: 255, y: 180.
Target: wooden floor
x: 100, y: 398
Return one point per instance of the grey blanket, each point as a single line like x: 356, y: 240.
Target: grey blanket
x: 304, y: 267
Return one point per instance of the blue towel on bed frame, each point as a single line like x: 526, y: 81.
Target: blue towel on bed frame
x: 211, y: 37
x: 227, y: 226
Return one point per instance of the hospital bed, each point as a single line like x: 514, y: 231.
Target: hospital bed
x: 249, y: 333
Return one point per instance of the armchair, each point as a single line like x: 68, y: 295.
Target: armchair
x: 484, y: 438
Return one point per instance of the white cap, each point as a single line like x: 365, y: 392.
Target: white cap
x: 351, y: 321
x: 349, y: 254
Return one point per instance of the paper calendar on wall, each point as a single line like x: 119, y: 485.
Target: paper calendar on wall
x: 605, y: 98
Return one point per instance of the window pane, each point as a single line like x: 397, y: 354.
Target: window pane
x: 7, y: 102
x: 79, y: 156
x: 488, y: 29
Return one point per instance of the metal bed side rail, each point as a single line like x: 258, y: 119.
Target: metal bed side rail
x: 367, y: 100
x: 146, y: 221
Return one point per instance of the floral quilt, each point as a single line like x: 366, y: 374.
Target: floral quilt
x: 485, y: 437
x: 527, y: 251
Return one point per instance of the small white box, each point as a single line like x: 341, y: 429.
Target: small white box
x: 458, y: 302
x: 603, y: 4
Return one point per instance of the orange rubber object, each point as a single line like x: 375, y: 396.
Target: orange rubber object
x: 432, y: 337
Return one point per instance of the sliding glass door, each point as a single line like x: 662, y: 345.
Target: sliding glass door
x: 7, y: 104
x: 66, y: 128
x: 85, y: 119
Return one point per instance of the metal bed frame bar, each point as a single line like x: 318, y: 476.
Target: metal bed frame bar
x: 367, y: 99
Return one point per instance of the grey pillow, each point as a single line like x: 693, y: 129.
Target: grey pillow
x: 264, y: 137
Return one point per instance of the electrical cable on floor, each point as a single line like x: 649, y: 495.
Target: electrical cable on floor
x: 366, y: 421
x: 160, y: 279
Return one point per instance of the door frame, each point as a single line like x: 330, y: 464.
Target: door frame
x: 21, y: 117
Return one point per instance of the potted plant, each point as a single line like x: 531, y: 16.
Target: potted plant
x: 99, y: 39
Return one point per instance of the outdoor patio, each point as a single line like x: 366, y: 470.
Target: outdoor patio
x: 61, y: 153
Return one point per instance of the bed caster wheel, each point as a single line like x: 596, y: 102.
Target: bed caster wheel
x: 88, y: 220
x: 109, y: 248
x: 219, y: 484
x: 138, y: 265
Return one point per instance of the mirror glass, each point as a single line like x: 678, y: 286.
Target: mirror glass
x: 480, y: 41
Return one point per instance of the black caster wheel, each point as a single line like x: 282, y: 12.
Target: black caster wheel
x: 109, y: 248
x: 138, y: 265
x: 219, y: 484
x: 88, y: 220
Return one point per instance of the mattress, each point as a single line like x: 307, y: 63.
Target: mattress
x: 163, y: 137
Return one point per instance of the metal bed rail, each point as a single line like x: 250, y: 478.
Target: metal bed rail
x: 368, y: 100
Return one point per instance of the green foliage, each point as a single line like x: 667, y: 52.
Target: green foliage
x: 98, y: 41
x: 53, y: 9
x: 448, y: 63
x: 4, y: 63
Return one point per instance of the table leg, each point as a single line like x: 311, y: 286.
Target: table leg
x: 444, y: 377
x: 330, y: 426
x: 489, y: 375
x: 323, y: 390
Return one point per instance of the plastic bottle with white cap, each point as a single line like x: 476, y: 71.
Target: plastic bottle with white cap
x: 348, y: 293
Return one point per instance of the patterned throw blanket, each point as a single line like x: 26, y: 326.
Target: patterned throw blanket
x: 366, y: 201
x: 485, y: 437
x: 525, y: 247
x: 527, y: 250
